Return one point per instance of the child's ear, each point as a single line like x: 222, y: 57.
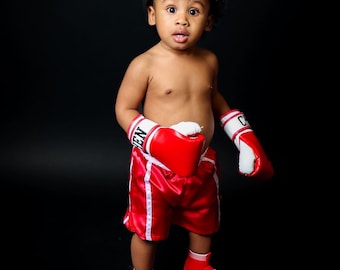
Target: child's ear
x: 151, y: 15
x: 209, y: 24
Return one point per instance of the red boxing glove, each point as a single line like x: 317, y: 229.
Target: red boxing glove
x: 253, y: 161
x: 178, y: 152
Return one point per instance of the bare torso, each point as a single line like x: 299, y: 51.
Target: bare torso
x: 179, y: 89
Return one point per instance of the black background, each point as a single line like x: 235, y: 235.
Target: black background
x: 64, y: 159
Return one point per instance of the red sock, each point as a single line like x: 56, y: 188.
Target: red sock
x: 196, y: 261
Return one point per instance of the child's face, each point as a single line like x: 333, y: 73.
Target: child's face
x: 180, y: 23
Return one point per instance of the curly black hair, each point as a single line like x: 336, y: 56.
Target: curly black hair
x: 216, y: 8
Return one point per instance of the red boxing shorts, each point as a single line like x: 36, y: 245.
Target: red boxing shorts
x: 159, y: 198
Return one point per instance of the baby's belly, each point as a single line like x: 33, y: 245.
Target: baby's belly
x: 208, y: 134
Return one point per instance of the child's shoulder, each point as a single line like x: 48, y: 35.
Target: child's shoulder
x: 147, y: 55
x: 206, y: 51
x: 206, y: 54
x: 141, y: 60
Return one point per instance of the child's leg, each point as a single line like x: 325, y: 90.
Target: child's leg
x: 142, y: 253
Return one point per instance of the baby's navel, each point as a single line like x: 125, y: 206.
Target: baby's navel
x: 168, y: 91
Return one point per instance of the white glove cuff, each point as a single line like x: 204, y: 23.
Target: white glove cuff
x: 139, y: 129
x: 233, y: 123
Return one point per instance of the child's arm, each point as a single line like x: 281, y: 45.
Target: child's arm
x: 132, y: 91
x: 253, y: 161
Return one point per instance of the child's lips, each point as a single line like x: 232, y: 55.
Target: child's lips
x: 180, y: 37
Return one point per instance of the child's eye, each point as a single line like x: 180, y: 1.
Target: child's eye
x: 171, y: 10
x: 193, y: 12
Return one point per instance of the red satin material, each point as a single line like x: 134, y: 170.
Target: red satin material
x: 159, y: 198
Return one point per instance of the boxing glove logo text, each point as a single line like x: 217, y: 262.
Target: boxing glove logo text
x: 138, y: 138
x: 242, y: 119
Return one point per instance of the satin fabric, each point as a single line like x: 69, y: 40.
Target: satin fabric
x: 159, y: 198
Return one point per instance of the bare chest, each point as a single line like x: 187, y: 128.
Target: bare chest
x: 181, y: 78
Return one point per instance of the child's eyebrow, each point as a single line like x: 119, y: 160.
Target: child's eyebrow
x: 195, y: 1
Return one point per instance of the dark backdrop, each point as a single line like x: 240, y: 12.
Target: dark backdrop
x: 64, y: 159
